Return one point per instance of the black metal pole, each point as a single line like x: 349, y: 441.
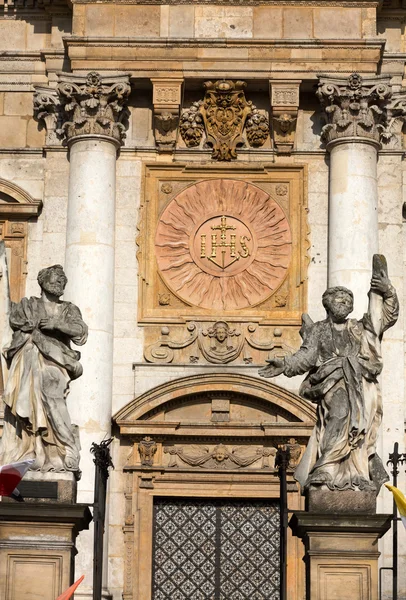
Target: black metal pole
x: 282, y: 463
x: 395, y: 459
x: 102, y: 460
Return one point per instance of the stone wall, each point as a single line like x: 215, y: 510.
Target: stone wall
x: 255, y: 43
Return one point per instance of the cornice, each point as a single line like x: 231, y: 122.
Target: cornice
x: 134, y: 42
x: 301, y: 3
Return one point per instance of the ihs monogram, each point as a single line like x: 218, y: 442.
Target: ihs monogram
x: 234, y: 255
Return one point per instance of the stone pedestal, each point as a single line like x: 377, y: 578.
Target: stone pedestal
x: 341, y: 553
x: 37, y: 547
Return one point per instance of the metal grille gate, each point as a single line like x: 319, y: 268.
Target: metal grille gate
x: 215, y: 550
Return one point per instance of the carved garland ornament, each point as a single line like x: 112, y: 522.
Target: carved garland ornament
x: 217, y: 344
x: 223, y: 244
x: 220, y: 457
x: 223, y: 115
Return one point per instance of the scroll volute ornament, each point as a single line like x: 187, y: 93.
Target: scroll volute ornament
x: 94, y: 105
x: 223, y: 115
x: 354, y: 107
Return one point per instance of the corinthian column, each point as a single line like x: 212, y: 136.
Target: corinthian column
x: 356, y: 115
x: 93, y: 110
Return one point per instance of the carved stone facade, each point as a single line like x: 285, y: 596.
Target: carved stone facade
x: 223, y: 115
x: 83, y: 105
x: 171, y: 155
x: 223, y: 246
x: 361, y: 107
x: 285, y: 106
x: 196, y: 455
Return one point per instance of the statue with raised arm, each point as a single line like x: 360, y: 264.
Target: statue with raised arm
x: 41, y: 365
x: 342, y: 359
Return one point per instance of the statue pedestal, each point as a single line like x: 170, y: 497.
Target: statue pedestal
x: 341, y: 553
x: 37, y: 547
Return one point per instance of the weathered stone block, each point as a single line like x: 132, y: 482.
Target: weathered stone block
x: 297, y: 23
x: 140, y: 21
x: 267, y: 22
x: 18, y: 103
x: 337, y: 23
x: 181, y: 21
x: 15, y: 31
x: 99, y: 20
x: 13, y: 132
x: 35, y: 136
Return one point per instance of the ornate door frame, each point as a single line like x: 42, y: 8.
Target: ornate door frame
x: 175, y: 456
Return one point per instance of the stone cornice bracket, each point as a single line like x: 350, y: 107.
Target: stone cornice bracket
x: 224, y: 115
x: 93, y: 105
x: 354, y: 107
x: 166, y: 100
x: 47, y: 108
x: 285, y: 107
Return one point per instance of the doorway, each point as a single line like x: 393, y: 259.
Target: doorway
x: 207, y: 549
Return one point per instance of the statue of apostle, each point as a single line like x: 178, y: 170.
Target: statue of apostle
x: 41, y: 365
x: 343, y: 360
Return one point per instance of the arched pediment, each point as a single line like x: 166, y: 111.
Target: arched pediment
x: 16, y: 202
x: 189, y: 399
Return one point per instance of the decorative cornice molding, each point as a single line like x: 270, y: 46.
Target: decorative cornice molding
x: 361, y: 108
x: 301, y: 3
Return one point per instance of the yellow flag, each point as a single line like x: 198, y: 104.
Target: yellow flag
x: 400, y: 501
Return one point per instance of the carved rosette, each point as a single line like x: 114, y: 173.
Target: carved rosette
x: 223, y: 115
x: 223, y: 245
x: 93, y: 105
x: 354, y: 107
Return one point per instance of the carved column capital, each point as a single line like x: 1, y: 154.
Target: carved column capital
x: 354, y: 107
x: 166, y: 100
x: 285, y: 106
x: 93, y: 105
x: 47, y: 109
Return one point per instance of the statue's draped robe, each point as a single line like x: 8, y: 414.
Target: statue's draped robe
x: 343, y: 366
x: 36, y: 420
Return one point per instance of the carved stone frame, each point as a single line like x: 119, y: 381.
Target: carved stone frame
x: 144, y: 482
x: 15, y: 212
x: 158, y: 304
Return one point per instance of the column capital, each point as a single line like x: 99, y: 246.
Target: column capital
x: 354, y: 108
x: 93, y: 105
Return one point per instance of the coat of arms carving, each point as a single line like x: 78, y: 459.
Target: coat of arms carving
x: 223, y: 115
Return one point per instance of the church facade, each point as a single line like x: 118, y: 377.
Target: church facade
x: 203, y: 171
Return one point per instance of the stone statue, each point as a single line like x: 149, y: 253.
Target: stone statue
x: 41, y: 365
x: 343, y: 360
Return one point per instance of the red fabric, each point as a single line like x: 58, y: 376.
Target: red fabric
x: 69, y: 592
x: 9, y: 480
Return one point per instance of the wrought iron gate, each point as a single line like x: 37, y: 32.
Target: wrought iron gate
x: 216, y: 550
